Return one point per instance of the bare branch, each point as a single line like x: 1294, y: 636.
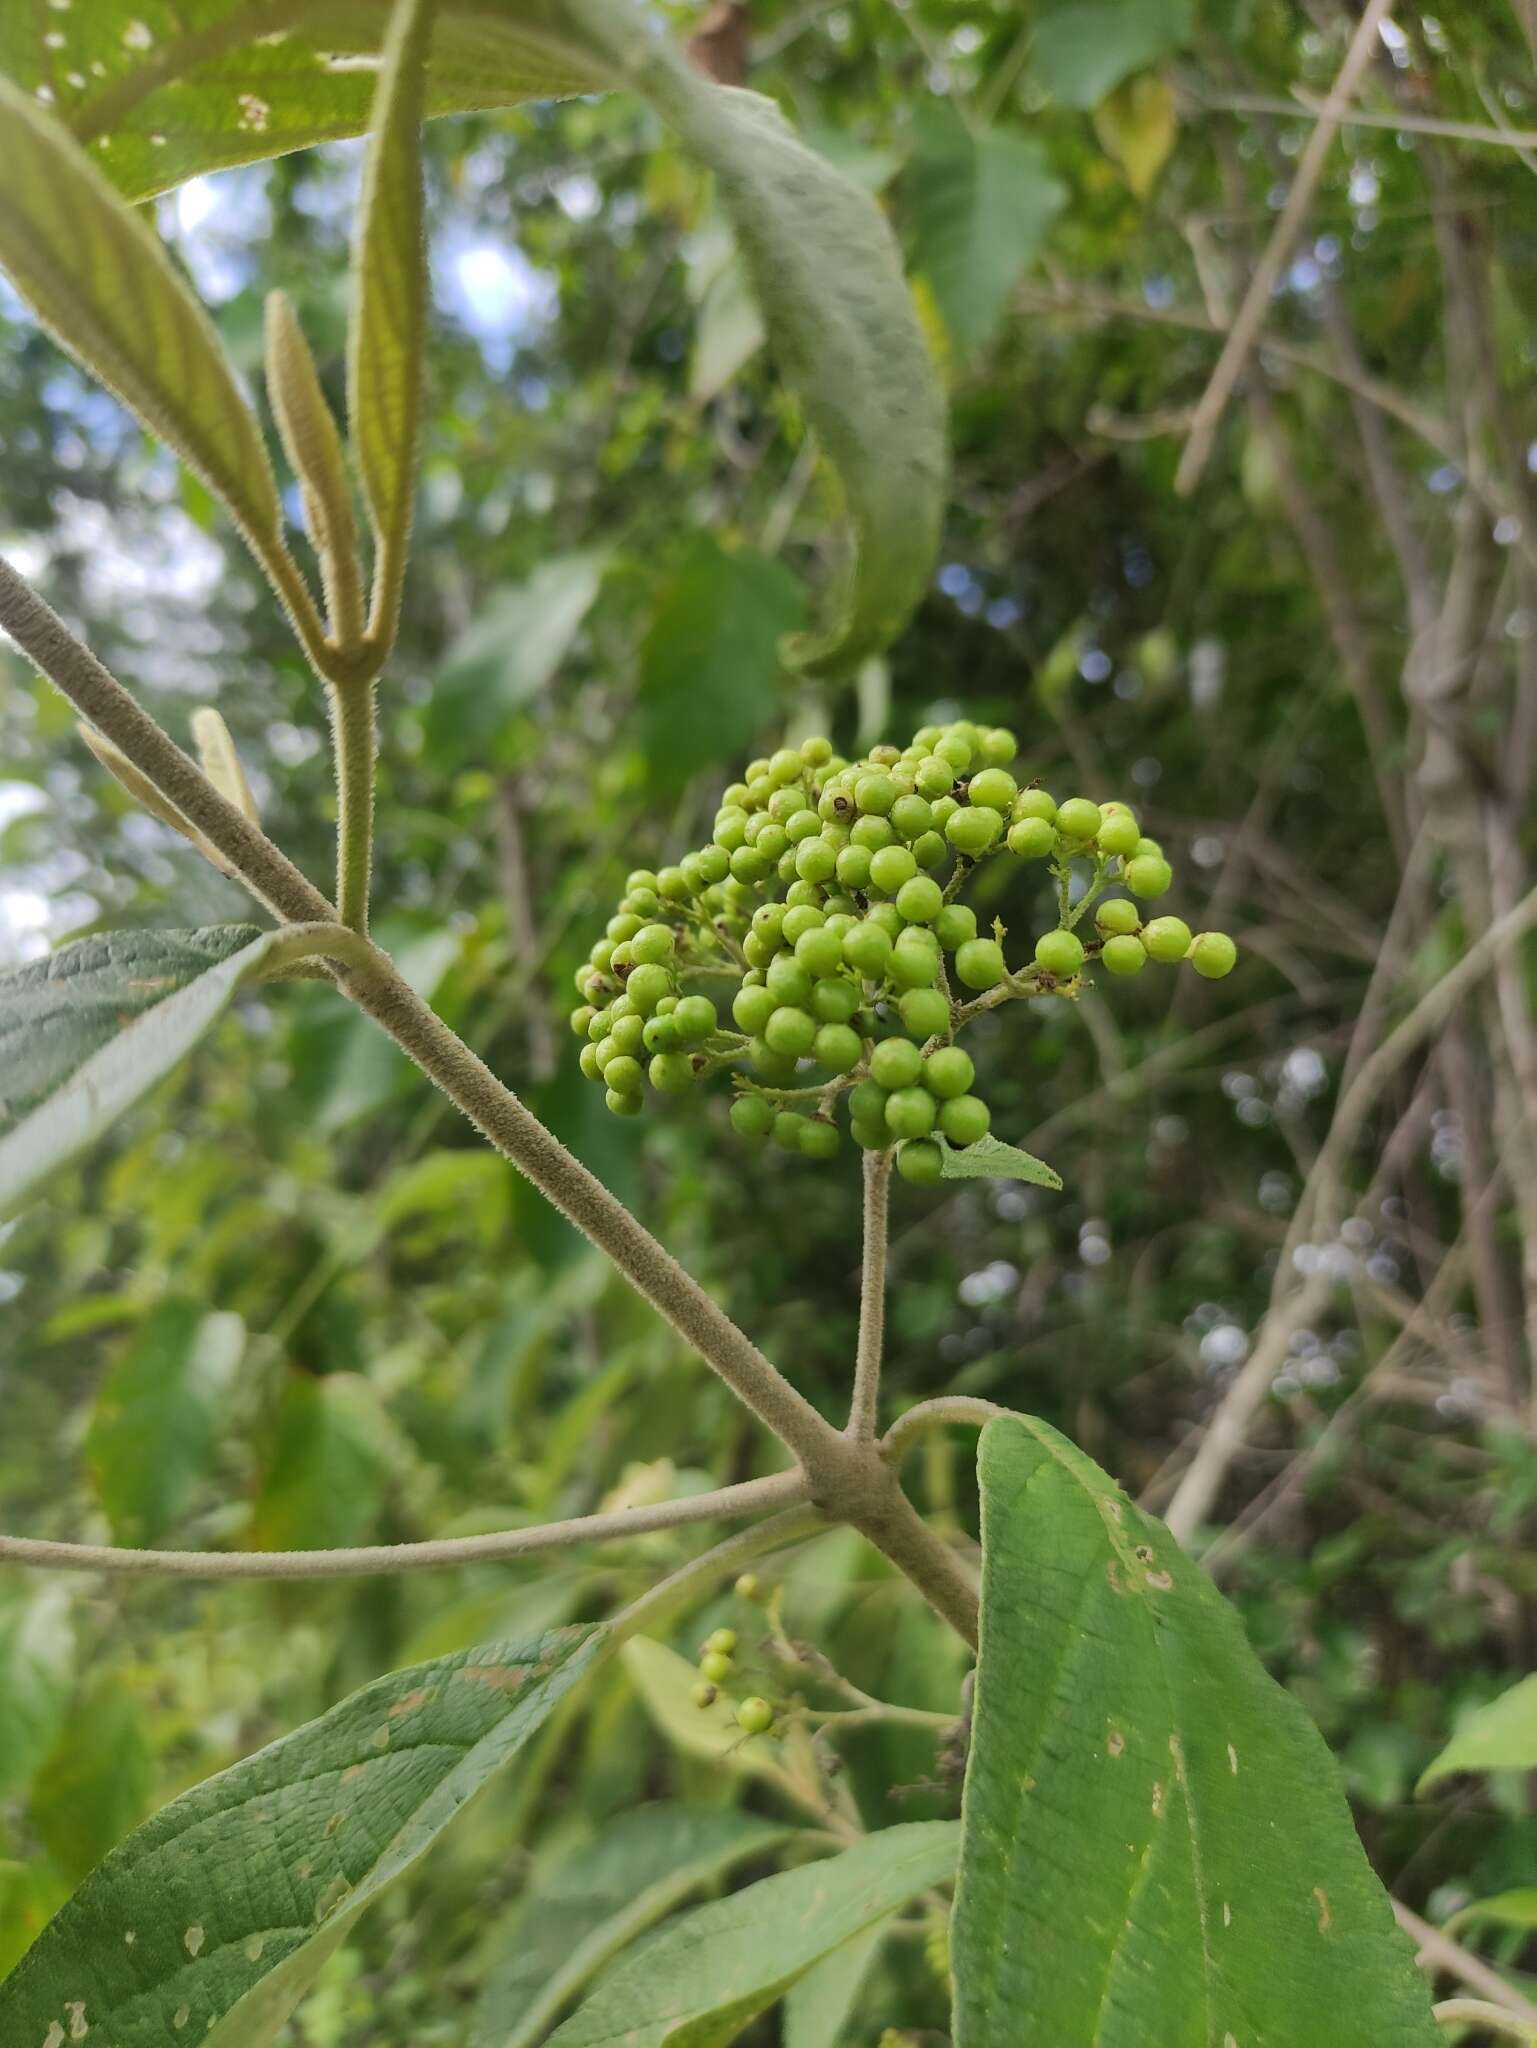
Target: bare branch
x: 1438, y: 1951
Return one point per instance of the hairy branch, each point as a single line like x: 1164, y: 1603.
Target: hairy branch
x: 872, y: 1298
x: 909, y: 1429
x: 1439, y: 1952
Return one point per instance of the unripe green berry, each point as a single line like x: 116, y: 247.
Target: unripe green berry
x: 896, y: 1063
x: 1117, y: 915
x: 1118, y: 833
x: 912, y: 815
x: 1123, y: 953
x: 814, y: 752
x: 956, y: 751
x: 924, y: 1012
x: 1149, y: 874
x: 834, y: 1000
x: 1035, y: 803
x: 964, y: 1119
x: 714, y: 1667
x: 815, y: 860
x: 623, y: 1104
x: 788, y: 1125
x: 930, y: 850
x: 730, y: 829
x: 581, y: 1018
x: 1060, y: 953
x: 875, y: 793
x: 867, y: 949
x: 722, y: 1639
x: 973, y: 829
x: 623, y: 1073
x: 933, y: 778
x: 790, y: 1031
x: 704, y: 1694
x: 587, y: 1060
x: 1150, y: 847
x: 695, y: 1018
x: 600, y: 1024
x: 749, y: 865
x: 867, y: 1103
x: 622, y: 926
x: 752, y: 1008
x: 1212, y: 954
x: 775, y: 1068
x: 799, y: 894
x: 653, y: 942
x: 1078, y: 818
x: 819, y: 951
x: 819, y: 1138
x: 799, y: 919
x: 838, y: 1047
x: 955, y: 924
x: 873, y: 833
x: 1032, y: 838
x: 671, y: 1073
x: 755, y: 1716
x: 889, y: 919
x: 714, y: 865
x: 921, y: 899
x: 646, y: 987
x: 868, y: 1135
x: 757, y: 951
x: 910, y: 1113
x: 802, y: 824
x: 993, y: 787
x: 623, y: 1006
x: 752, y: 1116
x: 948, y: 1071
x: 999, y: 746
x: 747, y: 1586
x: 853, y: 867
x: 979, y: 963
x: 891, y: 866
x: 1166, y: 938
x: 788, y: 982
x: 913, y: 964
x: 921, y: 1162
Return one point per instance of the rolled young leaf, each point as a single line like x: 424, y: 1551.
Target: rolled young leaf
x: 1156, y: 1849
x: 211, y: 1921
x: 314, y: 450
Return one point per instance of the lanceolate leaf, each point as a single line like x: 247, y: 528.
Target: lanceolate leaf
x: 990, y: 1159
x: 86, y: 1032
x: 387, y: 332
x: 597, y: 1900
x: 98, y: 277
x: 700, y: 1981
x: 1499, y: 1737
x: 821, y: 2005
x: 215, y: 82
x: 211, y: 1921
x: 1220, y: 1898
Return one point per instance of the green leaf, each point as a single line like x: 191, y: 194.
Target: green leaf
x: 95, y: 1785
x: 596, y: 1900
x: 86, y: 1032
x: 386, y: 336
x: 1218, y: 1893
x: 1501, y: 1736
x: 665, y: 1682
x: 700, y: 1981
x: 154, y: 1429
x: 990, y: 1159
x: 710, y: 664
x: 185, y: 99
x: 1084, y: 48
x: 1504, y: 1909
x: 822, y: 2003
x: 981, y: 203
x: 330, y: 1460
x: 211, y: 1921
x: 99, y: 279
x: 521, y: 635
x: 37, y: 1654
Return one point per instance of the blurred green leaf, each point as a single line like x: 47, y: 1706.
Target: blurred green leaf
x: 821, y: 2004
x: 156, y: 1421
x: 598, y: 1898
x: 216, y: 1916
x: 95, y: 1784
x: 330, y: 1461
x: 1084, y: 48
x: 86, y: 1032
x: 521, y: 634
x: 990, y: 1159
x: 37, y: 1653
x: 1501, y: 1736
x: 1516, y: 1909
x: 700, y: 1981
x: 1118, y: 1702
x: 981, y: 202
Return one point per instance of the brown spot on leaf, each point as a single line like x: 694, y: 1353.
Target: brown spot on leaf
x: 508, y: 1678
x: 1160, y: 1581
x: 1325, y: 1917
x: 353, y: 1771
x: 411, y: 1701
x: 1115, y: 1742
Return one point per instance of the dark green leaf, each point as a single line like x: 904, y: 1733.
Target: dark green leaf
x: 211, y: 1921
x: 1084, y: 48
x: 86, y: 1032
x: 1218, y: 1894
x: 982, y: 201
x: 596, y: 1900
x: 1501, y: 1736
x: 700, y: 1981
x: 325, y: 1481
x: 95, y: 1785
x: 155, y: 1426
x: 990, y: 1159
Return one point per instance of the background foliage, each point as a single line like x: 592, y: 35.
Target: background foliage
x: 337, y: 1320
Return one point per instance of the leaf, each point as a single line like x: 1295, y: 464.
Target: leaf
x: 1504, y: 1909
x: 990, y: 1159
x: 37, y: 1653
x: 1501, y: 1736
x: 665, y: 1682
x: 1138, y: 124
x: 709, y: 664
x: 700, y: 1981
x: 596, y: 1900
x: 728, y: 332
x: 1217, y: 1890
x: 86, y: 1032
x: 324, y: 1483
x: 1084, y: 48
x: 981, y: 203
x: 521, y: 635
x: 95, y: 1785
x: 822, y: 2003
x: 154, y: 1429
x: 386, y: 335
x: 99, y: 279
x: 211, y: 1921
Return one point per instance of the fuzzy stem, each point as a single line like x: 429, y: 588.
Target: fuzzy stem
x: 872, y: 1299
x: 352, y: 723
x: 910, y: 1428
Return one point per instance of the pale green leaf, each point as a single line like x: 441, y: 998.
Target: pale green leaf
x: 155, y: 1425
x: 1084, y: 48
x: 37, y: 1654
x: 1222, y: 1894
x: 98, y: 277
x: 386, y: 334
x: 1501, y: 1736
x: 822, y: 2003
x: 981, y: 203
x: 665, y: 1682
x: 1504, y: 1909
x: 728, y: 332
x: 211, y: 1922
x: 86, y: 1032
x: 700, y: 1981
x: 596, y: 1900
x: 521, y: 634
x: 990, y: 1159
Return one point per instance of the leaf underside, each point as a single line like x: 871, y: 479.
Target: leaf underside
x: 1221, y: 1898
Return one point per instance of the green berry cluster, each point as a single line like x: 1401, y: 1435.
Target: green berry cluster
x: 828, y: 896
x: 717, y: 1662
